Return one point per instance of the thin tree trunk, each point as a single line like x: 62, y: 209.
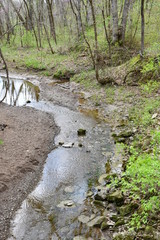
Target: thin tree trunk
x: 124, y: 18
x: 96, y: 39
x: 114, y: 8
x: 106, y: 33
x: 75, y: 14
x: 89, y: 46
x: 142, y: 27
x: 37, y: 43
x: 51, y: 20
x: 48, y: 39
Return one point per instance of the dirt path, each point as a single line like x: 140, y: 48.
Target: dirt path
x: 27, y: 137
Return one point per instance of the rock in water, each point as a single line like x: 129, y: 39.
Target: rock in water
x: 81, y: 132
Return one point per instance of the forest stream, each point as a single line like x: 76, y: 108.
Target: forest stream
x: 70, y: 173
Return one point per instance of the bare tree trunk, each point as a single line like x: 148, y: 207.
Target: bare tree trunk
x: 35, y: 35
x: 75, y: 14
x: 85, y: 4
x: 7, y: 75
x: 106, y: 33
x: 96, y: 39
x: 8, y: 21
x: 89, y: 46
x: 114, y: 8
x: 48, y: 39
x: 51, y: 19
x: 142, y: 27
x: 124, y: 18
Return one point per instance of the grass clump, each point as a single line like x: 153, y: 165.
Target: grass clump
x: 1, y: 142
x: 35, y: 64
x: 86, y: 79
x: 150, y: 87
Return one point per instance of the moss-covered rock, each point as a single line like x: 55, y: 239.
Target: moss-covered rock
x: 127, y: 209
x: 81, y: 132
x: 116, y: 197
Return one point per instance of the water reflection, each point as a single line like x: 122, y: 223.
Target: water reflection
x: 19, y: 93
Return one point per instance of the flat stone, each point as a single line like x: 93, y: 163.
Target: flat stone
x: 102, y: 178
x: 79, y: 238
x: 68, y: 145
x: 89, y: 194
x: 85, y: 219
x: 124, y: 236
x: 96, y: 222
x: 66, y: 203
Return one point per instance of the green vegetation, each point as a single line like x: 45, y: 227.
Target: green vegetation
x: 1, y: 142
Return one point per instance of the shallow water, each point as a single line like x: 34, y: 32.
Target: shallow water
x: 69, y: 173
x: 19, y: 92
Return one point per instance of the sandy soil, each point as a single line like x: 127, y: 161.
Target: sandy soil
x: 27, y: 139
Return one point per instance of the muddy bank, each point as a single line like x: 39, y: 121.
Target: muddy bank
x: 28, y: 136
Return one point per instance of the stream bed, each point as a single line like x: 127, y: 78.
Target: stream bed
x: 71, y: 170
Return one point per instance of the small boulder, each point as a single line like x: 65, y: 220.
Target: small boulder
x: 124, y: 236
x: 127, y: 209
x: 116, y: 197
x: 68, y: 145
x: 81, y: 132
x: 107, y: 224
x: 66, y: 204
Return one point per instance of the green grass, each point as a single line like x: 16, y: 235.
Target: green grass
x: 1, y: 142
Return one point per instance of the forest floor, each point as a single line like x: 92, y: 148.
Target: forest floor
x: 124, y: 108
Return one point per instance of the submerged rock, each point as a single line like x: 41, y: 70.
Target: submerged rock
x: 69, y: 189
